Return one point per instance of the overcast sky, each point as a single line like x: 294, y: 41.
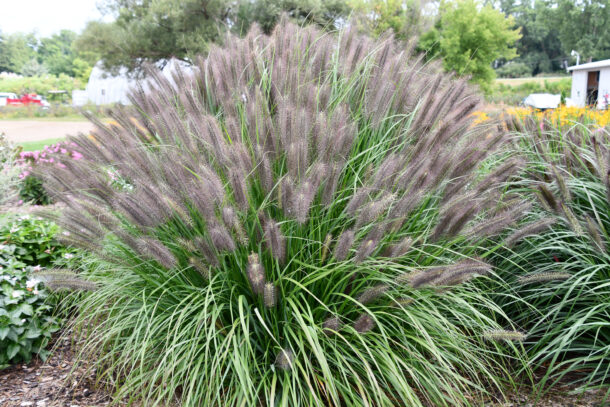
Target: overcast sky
x: 46, y: 17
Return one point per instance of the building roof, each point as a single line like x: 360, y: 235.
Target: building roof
x: 590, y: 65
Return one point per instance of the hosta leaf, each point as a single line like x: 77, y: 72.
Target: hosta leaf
x: 26, y: 309
x: 4, y: 332
x: 12, y: 350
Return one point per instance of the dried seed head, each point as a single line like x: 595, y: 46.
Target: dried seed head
x: 255, y: 274
x: 200, y: 267
x: 461, y: 272
x: 402, y: 248
x: 60, y: 279
x: 238, y: 184
x: 207, y: 251
x: 548, y: 198
x: 284, y: 359
x: 367, y: 248
x: 561, y: 182
x: 344, y: 244
x: 424, y: 277
x: 332, y: 325
x: 358, y: 199
x: 572, y: 220
x: 594, y: 234
x: 529, y: 230
x: 302, y: 202
x: 371, y: 294
x: 364, y: 323
x: 231, y: 219
x: 156, y: 250
x: 275, y: 240
x: 270, y: 295
x: 543, y: 277
x: 504, y: 335
x: 373, y: 210
x: 326, y: 247
x: 221, y: 239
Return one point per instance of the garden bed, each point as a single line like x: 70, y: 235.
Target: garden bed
x: 51, y: 383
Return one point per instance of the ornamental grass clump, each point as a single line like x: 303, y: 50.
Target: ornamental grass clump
x: 284, y: 220
x: 561, y: 264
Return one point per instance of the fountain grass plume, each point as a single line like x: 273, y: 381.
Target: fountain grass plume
x: 235, y: 178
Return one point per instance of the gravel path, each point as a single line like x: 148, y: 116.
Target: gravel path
x: 19, y: 131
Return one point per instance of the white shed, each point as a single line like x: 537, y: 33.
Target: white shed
x: 591, y: 84
x: 104, y: 88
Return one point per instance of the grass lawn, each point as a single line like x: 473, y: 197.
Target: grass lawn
x: 538, y: 79
x: 39, y: 145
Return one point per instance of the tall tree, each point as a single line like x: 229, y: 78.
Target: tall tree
x: 57, y: 54
x: 469, y: 37
x: 151, y: 30
x: 405, y: 18
x: 539, y: 46
x: 583, y: 27
x: 16, y: 50
x: 325, y: 13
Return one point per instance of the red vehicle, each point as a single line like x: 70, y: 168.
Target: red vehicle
x: 28, y: 99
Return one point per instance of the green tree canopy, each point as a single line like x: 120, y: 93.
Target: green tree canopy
x: 469, y: 37
x: 16, y: 50
x: 583, y: 26
x: 405, y: 18
x: 150, y: 30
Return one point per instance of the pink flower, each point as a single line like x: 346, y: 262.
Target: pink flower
x: 20, y: 202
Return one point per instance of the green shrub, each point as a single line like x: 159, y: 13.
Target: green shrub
x: 291, y: 226
x: 561, y: 271
x: 26, y: 321
x: 514, y: 70
x: 513, y: 95
x: 31, y: 190
x: 40, y: 84
x: 31, y: 241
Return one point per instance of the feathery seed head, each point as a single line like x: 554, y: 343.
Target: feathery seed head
x: 364, y: 323
x: 344, y: 245
x: 543, y: 277
x: 270, y: 295
x: 504, y: 335
x: 284, y: 360
x: 332, y: 325
x: 274, y: 240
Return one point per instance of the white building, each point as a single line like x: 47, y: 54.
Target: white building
x: 104, y: 88
x: 591, y: 84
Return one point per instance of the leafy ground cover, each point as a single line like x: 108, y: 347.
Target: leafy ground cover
x: 27, y: 311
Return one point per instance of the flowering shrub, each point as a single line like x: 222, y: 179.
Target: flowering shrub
x: 31, y: 188
x: 276, y: 229
x: 563, y: 116
x: 26, y: 321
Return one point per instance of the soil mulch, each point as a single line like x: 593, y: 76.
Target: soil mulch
x: 52, y: 383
